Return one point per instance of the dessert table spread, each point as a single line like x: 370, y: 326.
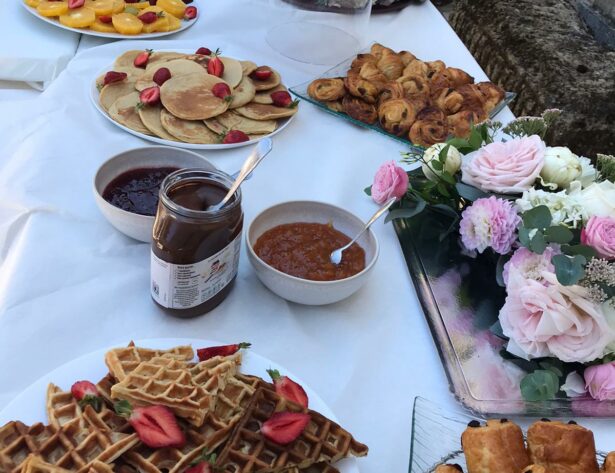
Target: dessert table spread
x: 71, y: 284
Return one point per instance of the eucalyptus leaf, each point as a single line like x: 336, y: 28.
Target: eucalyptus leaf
x: 406, y: 212
x: 497, y: 330
x: 499, y: 269
x: 547, y: 365
x: 558, y: 234
x: 469, y: 192
x: 541, y: 385
x: 368, y: 190
x: 582, y: 250
x: 524, y: 236
x: 538, y: 217
x: 538, y: 243
x: 569, y: 269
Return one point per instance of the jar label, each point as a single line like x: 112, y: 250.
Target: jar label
x: 183, y: 286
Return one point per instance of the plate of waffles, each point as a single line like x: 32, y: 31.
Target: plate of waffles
x: 162, y: 406
x: 199, y: 99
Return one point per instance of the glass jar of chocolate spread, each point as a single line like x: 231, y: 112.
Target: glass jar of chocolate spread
x: 195, y: 251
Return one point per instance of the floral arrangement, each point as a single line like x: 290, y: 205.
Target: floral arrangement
x: 548, y: 218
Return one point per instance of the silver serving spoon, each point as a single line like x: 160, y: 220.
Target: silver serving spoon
x: 336, y: 255
x: 261, y: 150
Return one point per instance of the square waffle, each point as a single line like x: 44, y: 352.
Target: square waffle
x: 35, y: 464
x: 248, y: 451
x: 122, y: 361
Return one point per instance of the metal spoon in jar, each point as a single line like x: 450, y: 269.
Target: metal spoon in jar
x: 261, y: 150
x: 336, y: 255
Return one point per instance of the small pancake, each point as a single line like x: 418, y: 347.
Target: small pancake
x: 233, y: 121
x: 150, y: 116
x: 163, y: 56
x: 133, y: 75
x: 214, y: 125
x: 177, y: 67
x: 111, y: 92
x: 127, y: 59
x: 190, y: 97
x: 248, y: 67
x: 232, y: 74
x: 268, y: 84
x: 188, y: 131
x: 265, y: 96
x: 244, y: 93
x: 259, y: 111
x: 124, y: 111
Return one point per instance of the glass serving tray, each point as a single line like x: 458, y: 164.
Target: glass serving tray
x: 340, y: 71
x: 461, y: 300
x: 436, y: 435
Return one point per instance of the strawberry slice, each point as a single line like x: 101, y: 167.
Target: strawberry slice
x: 261, y: 73
x: 156, y: 426
x: 215, y: 66
x: 285, y: 427
x: 289, y: 389
x: 203, y: 51
x: 235, y: 136
x: 75, y: 3
x: 150, y: 96
x: 86, y: 393
x: 142, y: 58
x: 112, y: 76
x: 105, y: 19
x: 190, y: 13
x: 203, y: 464
x: 222, y: 91
x: 281, y: 98
x: 148, y: 17
x: 224, y: 350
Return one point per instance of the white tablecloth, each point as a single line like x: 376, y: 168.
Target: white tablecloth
x: 71, y: 284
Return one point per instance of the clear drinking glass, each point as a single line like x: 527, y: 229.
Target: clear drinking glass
x: 319, y: 31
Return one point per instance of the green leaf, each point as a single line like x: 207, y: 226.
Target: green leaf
x: 582, y: 250
x: 443, y: 208
x: 524, y: 237
x: 436, y: 165
x: 538, y: 217
x: 541, y: 385
x: 476, y: 139
x: 469, y: 192
x: 547, y: 365
x: 569, y: 269
x: 497, y: 330
x: 538, y: 243
x: 459, y: 143
x: 368, y: 190
x: 123, y: 408
x: 443, y: 154
x: 406, y: 212
x: 446, y: 177
x: 558, y: 234
x: 499, y: 269
x: 442, y: 189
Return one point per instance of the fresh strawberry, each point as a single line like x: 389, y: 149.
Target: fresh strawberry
x: 142, y: 58
x: 105, y: 19
x: 203, y: 464
x: 190, y: 13
x: 215, y: 66
x: 288, y: 389
x: 112, y: 76
x: 156, y: 426
x: 75, y: 3
x: 285, y: 427
x: 281, y: 98
x: 225, y: 350
x: 204, y: 51
x: 148, y: 17
x: 261, y: 73
x: 86, y: 393
x: 235, y: 136
x: 150, y: 96
x: 222, y: 91
x: 161, y: 75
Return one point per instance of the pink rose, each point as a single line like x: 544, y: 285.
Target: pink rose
x: 390, y: 181
x: 508, y: 168
x: 600, y: 381
x: 530, y: 264
x: 599, y: 233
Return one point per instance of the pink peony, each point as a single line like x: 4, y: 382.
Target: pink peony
x: 600, y: 380
x: 390, y: 181
x: 599, y: 233
x: 530, y: 264
x: 508, y: 168
x: 489, y: 222
x: 553, y: 320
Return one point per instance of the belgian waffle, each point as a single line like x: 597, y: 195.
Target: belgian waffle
x: 35, y: 464
x: 248, y: 451
x: 122, y: 361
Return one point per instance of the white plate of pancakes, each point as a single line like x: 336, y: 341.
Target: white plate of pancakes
x: 29, y: 406
x: 185, y: 24
x: 188, y: 114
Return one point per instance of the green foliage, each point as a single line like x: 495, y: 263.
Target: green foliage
x: 606, y: 167
x: 406, y: 212
x: 558, y: 234
x: 582, y: 250
x: 528, y: 126
x: 470, y: 193
x: 538, y: 217
x: 569, y: 269
x: 541, y: 385
x: 368, y: 190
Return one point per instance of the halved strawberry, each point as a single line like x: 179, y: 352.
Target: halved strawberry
x: 190, y: 13
x: 288, y: 389
x: 85, y: 393
x: 281, y: 98
x: 203, y: 50
x: 142, y: 58
x: 261, y: 73
x: 224, y: 350
x: 221, y: 90
x: 203, y: 464
x: 150, y: 96
x: 162, y: 75
x: 215, y: 66
x: 148, y: 17
x: 105, y: 19
x: 285, y: 427
x: 156, y: 426
x: 112, y: 76
x: 75, y: 3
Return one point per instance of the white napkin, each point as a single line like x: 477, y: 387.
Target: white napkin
x: 31, y: 50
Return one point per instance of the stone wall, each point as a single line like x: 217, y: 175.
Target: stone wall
x: 543, y: 51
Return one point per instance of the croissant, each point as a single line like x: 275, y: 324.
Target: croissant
x: 378, y: 50
x: 429, y: 128
x: 335, y: 105
x: 414, y: 84
x: 416, y: 68
x: 448, y: 99
x: 492, y: 94
x: 472, y: 96
x: 419, y: 101
x: 359, y: 87
x: 449, y: 468
x: 450, y: 77
x: 326, y: 90
x: 534, y: 469
x: 361, y: 59
x: 391, y: 65
x: 371, y: 73
x: 460, y: 123
x: 359, y: 109
x: 391, y: 90
x: 435, y: 66
x: 609, y: 463
x: 406, y: 57
x: 397, y: 116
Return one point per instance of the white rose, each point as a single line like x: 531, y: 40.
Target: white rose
x: 599, y: 199
x: 588, y: 172
x: 575, y: 385
x: 451, y: 165
x: 561, y: 167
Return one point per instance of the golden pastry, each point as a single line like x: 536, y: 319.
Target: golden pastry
x: 450, y: 77
x: 416, y: 67
x: 391, y: 90
x: 495, y: 447
x: 326, y: 90
x: 378, y: 50
x: 361, y: 59
x: 534, y: 469
x: 429, y: 128
x: 406, y: 57
x: 454, y: 468
x: 562, y: 448
x: 435, y: 66
x: 397, y: 116
x: 419, y: 101
x: 359, y: 109
x: 460, y: 123
x: 371, y: 73
x: 472, y: 96
x: 609, y: 463
x: 359, y: 87
x: 335, y: 105
x: 391, y: 65
x: 414, y: 84
x: 448, y: 99
x: 492, y: 94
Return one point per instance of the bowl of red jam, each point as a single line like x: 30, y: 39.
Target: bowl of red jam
x: 289, y: 245
x: 127, y: 186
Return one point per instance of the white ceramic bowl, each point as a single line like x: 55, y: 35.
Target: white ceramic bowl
x: 304, y: 291
x: 134, y: 225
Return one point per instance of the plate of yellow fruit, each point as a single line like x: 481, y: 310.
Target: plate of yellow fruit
x: 116, y: 18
